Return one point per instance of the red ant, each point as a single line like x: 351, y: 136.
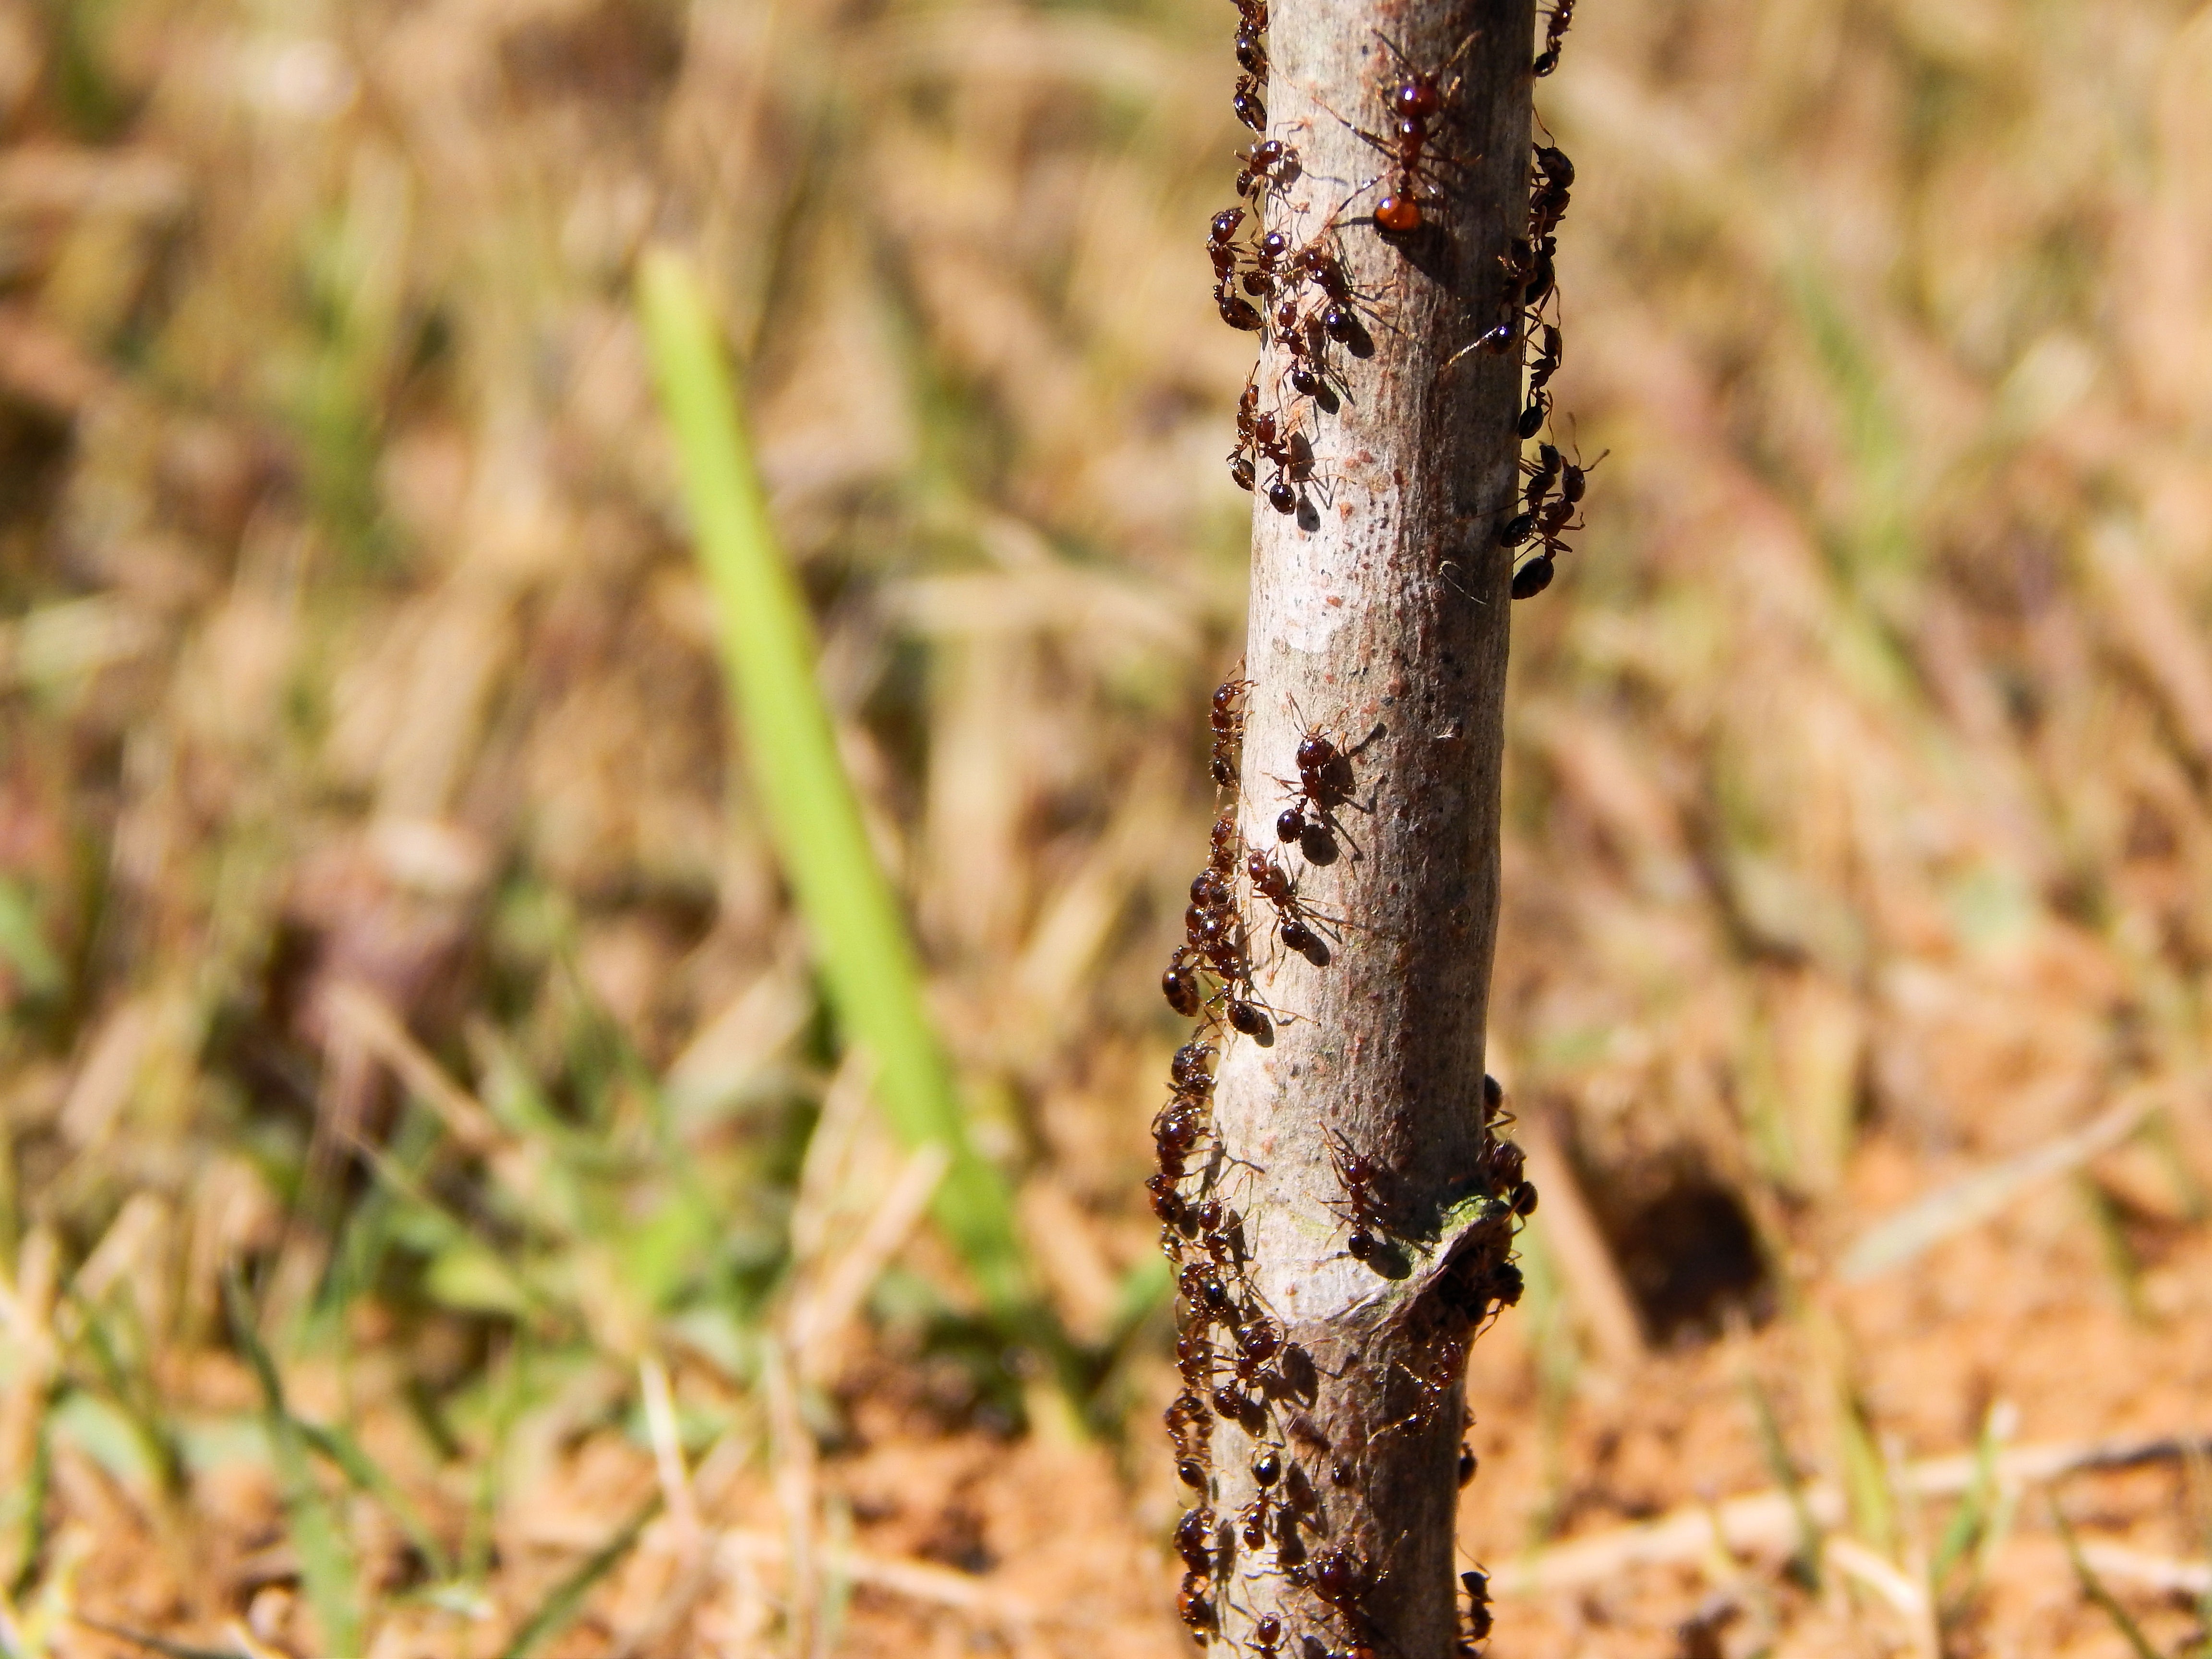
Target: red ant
x: 1415, y: 101
x: 1271, y: 162
x: 1272, y: 883
x: 1356, y: 1173
x: 1555, y: 31
x: 1324, y: 784
x: 1225, y: 843
x: 1533, y: 576
x: 1266, y: 1636
x: 1477, y: 1582
x: 1180, y: 986
x: 1221, y: 1229
x: 1290, y: 457
x: 1194, y: 1539
x: 1252, y: 1520
x: 1226, y: 719
x: 1262, y: 434
x: 1175, y: 1131
x: 1547, y: 361
x: 1191, y: 1070
x: 1251, y: 51
x: 1343, y: 1579
x: 1531, y: 275
x: 1193, y: 1606
x: 1548, y: 196
x: 1258, y: 1340
x: 1247, y: 104
x: 1543, y: 472
x: 1220, y: 246
x: 1574, y: 477
x: 1166, y: 1200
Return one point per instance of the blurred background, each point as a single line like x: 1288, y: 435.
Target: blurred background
x: 387, y: 926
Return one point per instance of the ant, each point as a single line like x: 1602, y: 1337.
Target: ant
x: 1247, y: 104
x: 1476, y: 1581
x: 1258, y: 1340
x: 1207, y: 1294
x: 1356, y: 1173
x: 1415, y: 101
x: 1548, y: 196
x: 1191, y: 1070
x: 1543, y: 472
x: 1545, y: 365
x: 1221, y: 248
x: 1222, y: 1231
x: 1555, y: 31
x: 1324, y: 784
x: 1248, y: 1018
x: 1530, y: 272
x: 1175, y: 1134
x: 1266, y: 1636
x: 1251, y: 51
x: 1298, y: 333
x: 1193, y: 1540
x: 1186, y: 1420
x: 1166, y: 1197
x: 1193, y: 1360
x: 1467, y: 1463
x: 1224, y: 842
x: 1252, y: 1520
x: 1193, y: 1606
x: 1501, y: 1165
x: 1290, y: 457
x: 1342, y: 1578
x: 1574, y: 477
x: 1271, y: 162
x: 1272, y: 883
x: 1180, y: 986
x: 1267, y: 257
x: 1533, y: 577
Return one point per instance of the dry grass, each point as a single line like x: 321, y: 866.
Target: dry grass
x: 382, y: 920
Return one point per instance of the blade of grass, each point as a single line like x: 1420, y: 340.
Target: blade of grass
x: 326, y: 1564
x: 566, y: 1599
x: 1806, y: 1564
x: 30, y: 1541
x: 1971, y: 1522
x: 768, y: 648
x: 160, y: 1644
x: 131, y: 1392
x: 344, y: 1453
x: 2094, y: 1588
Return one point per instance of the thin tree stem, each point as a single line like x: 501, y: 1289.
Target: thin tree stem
x: 1378, y: 623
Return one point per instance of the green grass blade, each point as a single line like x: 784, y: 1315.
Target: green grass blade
x: 2094, y: 1588
x: 152, y: 1644
x: 1806, y: 1564
x: 326, y: 1564
x: 566, y: 1600
x: 768, y: 648
x: 344, y: 1453
x: 1978, y: 1511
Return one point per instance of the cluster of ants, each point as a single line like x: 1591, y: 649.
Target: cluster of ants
x: 1550, y: 500
x: 1231, y: 1352
x: 1297, y: 298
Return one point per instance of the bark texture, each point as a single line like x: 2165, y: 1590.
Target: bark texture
x: 1379, y: 615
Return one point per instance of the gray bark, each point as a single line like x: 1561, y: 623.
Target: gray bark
x: 1379, y: 614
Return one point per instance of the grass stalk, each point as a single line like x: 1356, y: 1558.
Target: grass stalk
x: 327, y: 1570
x: 2094, y: 1588
x: 566, y: 1599
x: 768, y: 649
